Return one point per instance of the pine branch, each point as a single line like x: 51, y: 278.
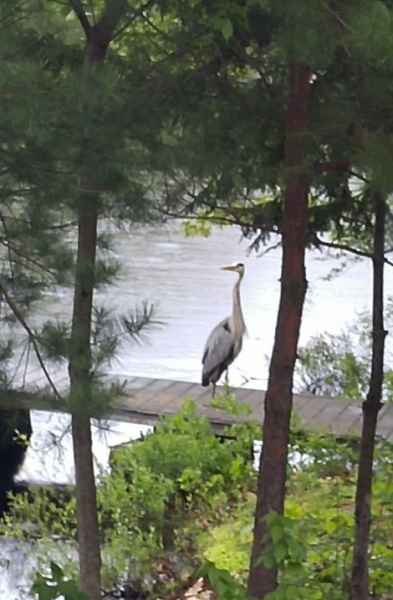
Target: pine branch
x: 18, y: 315
x: 12, y: 18
x: 91, y: 7
x: 131, y: 19
x: 359, y: 176
x: 134, y: 322
x: 347, y: 248
x: 153, y: 26
x: 337, y: 165
x: 78, y: 9
x: 28, y: 260
x: 59, y: 226
x: 270, y: 248
x: 114, y: 10
x: 5, y: 227
x: 337, y: 17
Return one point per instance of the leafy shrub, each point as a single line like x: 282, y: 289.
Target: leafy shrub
x: 161, y: 493
x: 312, y: 543
x: 56, y: 586
x: 164, y: 489
x: 181, y: 498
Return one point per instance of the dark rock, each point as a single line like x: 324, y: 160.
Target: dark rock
x: 15, y: 433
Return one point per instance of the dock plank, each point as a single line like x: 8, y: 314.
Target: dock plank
x: 144, y: 401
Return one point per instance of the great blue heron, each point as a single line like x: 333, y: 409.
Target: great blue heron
x: 225, y: 341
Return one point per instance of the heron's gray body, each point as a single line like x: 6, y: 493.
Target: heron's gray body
x: 225, y: 341
x: 220, y: 351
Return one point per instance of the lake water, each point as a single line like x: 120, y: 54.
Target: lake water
x: 182, y: 278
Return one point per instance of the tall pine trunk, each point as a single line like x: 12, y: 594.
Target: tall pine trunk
x: 79, y: 369
x: 278, y: 400
x: 371, y: 407
x: 98, y: 38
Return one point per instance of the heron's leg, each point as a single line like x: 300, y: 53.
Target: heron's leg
x: 214, y: 390
x: 226, y: 385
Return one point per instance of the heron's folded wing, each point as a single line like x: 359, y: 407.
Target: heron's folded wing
x: 219, y: 347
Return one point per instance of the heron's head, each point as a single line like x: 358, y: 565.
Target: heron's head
x: 236, y: 267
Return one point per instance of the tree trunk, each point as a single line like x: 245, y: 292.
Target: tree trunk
x: 98, y: 39
x: 278, y: 400
x: 371, y: 407
x: 80, y: 397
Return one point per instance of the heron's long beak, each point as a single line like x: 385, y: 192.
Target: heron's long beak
x: 229, y: 268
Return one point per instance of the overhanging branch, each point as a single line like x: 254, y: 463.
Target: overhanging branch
x: 18, y: 315
x: 347, y: 248
x: 138, y: 13
x: 78, y: 9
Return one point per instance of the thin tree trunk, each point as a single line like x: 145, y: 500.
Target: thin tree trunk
x: 371, y: 407
x: 80, y: 397
x: 98, y: 38
x: 278, y: 400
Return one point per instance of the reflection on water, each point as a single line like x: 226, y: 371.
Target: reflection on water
x: 16, y: 570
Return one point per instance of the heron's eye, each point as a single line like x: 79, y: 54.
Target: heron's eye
x: 240, y: 265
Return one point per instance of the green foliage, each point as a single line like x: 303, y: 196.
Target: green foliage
x: 227, y: 545
x: 329, y: 365
x: 202, y: 75
x: 312, y: 542
x: 371, y: 32
x: 6, y: 355
x: 161, y: 493
x: 41, y: 515
x: 184, y: 479
x: 228, y: 402
x: 134, y: 322
x: 56, y: 586
x: 226, y: 586
x: 53, y: 338
x: 287, y: 549
x: 201, y: 452
x: 71, y: 124
x: 109, y: 331
x: 176, y: 479
x: 132, y: 502
x: 305, y: 32
x: 339, y: 365
x: 197, y: 227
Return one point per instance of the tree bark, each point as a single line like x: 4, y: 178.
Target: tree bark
x: 278, y: 400
x: 80, y: 397
x: 98, y: 38
x: 371, y: 407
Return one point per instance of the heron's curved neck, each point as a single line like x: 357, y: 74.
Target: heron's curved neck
x: 237, y: 314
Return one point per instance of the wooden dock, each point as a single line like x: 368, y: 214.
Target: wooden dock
x: 146, y: 400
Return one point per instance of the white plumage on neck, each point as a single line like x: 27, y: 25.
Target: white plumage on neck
x: 237, y: 323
